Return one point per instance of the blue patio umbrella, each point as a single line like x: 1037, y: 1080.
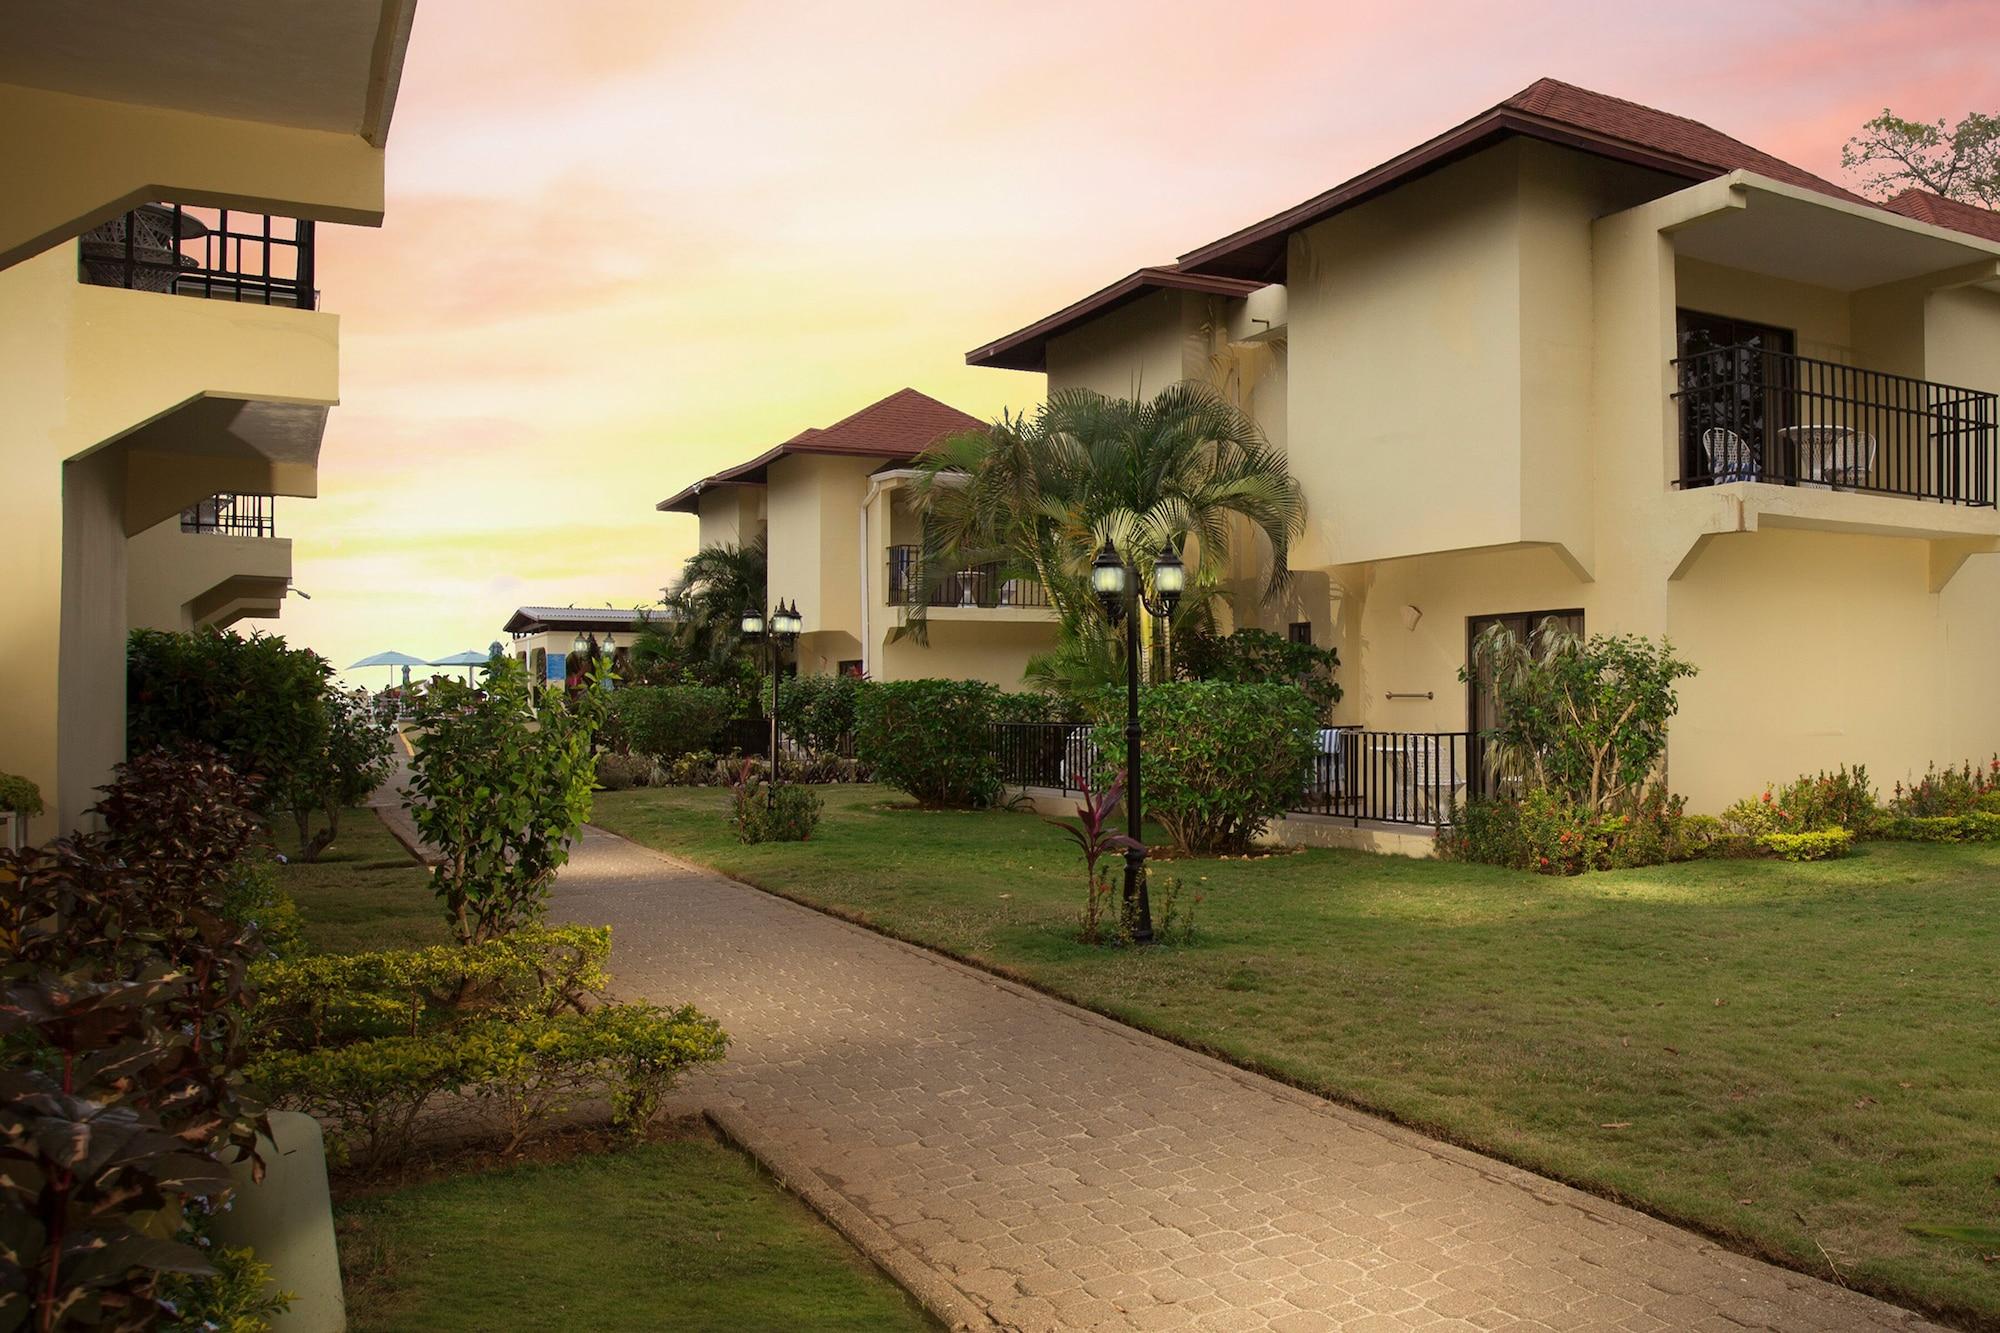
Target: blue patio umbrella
x: 468, y: 659
x: 391, y: 660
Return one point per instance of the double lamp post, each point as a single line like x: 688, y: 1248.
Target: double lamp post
x: 783, y: 627
x: 1119, y: 586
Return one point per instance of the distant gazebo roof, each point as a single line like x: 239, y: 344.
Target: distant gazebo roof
x: 588, y: 619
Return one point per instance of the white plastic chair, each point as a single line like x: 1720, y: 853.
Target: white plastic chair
x: 1730, y: 457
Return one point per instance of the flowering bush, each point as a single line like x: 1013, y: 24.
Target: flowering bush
x: 1947, y: 791
x: 1551, y: 835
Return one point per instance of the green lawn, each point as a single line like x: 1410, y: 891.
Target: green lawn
x: 365, y: 892
x: 1801, y: 1058
x: 687, y: 1235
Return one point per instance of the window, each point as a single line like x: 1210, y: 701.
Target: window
x: 851, y: 666
x: 1301, y: 631
x: 1482, y: 710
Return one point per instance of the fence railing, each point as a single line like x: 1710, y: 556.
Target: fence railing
x: 219, y: 253
x: 976, y: 585
x: 1750, y: 414
x: 233, y: 516
x: 1389, y: 777
x: 1045, y: 754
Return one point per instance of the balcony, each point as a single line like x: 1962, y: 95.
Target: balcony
x: 233, y: 516
x: 219, y: 254
x: 977, y: 587
x: 1750, y: 414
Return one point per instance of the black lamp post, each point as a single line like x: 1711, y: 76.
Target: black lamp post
x: 1116, y: 584
x: 784, y: 625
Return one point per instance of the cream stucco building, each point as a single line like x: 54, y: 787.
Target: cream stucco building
x: 163, y: 354
x: 1581, y: 357
x: 832, y: 507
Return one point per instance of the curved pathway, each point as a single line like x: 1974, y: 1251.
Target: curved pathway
x: 1041, y: 1167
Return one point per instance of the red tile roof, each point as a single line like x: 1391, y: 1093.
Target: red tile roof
x: 1661, y: 131
x: 895, y: 429
x: 1546, y: 109
x: 1923, y: 206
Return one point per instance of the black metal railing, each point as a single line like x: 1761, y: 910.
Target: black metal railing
x: 1061, y: 755
x: 1387, y: 777
x: 747, y: 736
x: 1750, y: 414
x: 219, y: 253
x: 977, y: 585
x: 233, y: 516
x: 1390, y: 777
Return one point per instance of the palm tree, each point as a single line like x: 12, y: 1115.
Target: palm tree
x: 702, y: 633
x: 1039, y: 494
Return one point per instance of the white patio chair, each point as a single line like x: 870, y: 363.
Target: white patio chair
x: 1730, y: 457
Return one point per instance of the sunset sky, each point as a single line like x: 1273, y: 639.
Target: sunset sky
x: 629, y: 243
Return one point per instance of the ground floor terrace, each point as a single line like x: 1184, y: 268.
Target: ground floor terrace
x: 1813, y: 648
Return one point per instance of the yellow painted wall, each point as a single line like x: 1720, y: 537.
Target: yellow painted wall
x: 988, y: 648
x: 814, y: 517
x: 88, y: 374
x: 73, y: 161
x: 732, y: 515
x: 1135, y: 351
x: 171, y: 575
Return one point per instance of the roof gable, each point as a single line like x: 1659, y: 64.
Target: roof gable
x: 896, y: 428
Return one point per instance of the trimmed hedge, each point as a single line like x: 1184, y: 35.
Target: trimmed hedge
x: 816, y: 711
x: 1219, y: 760
x: 1813, y: 845
x: 326, y: 999
x: 1977, y: 826
x: 666, y: 721
x: 515, y: 1075
x: 932, y: 739
x: 513, y: 1029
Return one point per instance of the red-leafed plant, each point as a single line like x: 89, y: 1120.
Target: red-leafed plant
x: 122, y: 1000
x: 1094, y: 835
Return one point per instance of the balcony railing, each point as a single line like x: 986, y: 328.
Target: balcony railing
x: 233, y: 516
x: 219, y: 253
x: 1749, y: 414
x: 1385, y: 777
x: 976, y: 586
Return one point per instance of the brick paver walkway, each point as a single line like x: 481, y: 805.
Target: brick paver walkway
x: 1061, y: 1171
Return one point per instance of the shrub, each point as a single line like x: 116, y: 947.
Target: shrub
x: 763, y: 812
x: 1843, y: 799
x: 1585, y: 717
x: 269, y: 709
x: 1810, y: 845
x: 932, y: 739
x: 666, y: 721
x: 123, y: 1018
x: 19, y: 795
x: 1973, y: 826
x: 502, y: 783
x: 616, y: 772
x: 334, y: 998
x: 250, y: 897
x: 235, y: 1299
x: 1259, y: 657
x: 514, y: 1075
x: 1946, y: 791
x: 817, y: 711
x: 1033, y: 706
x: 350, y: 762
x: 1551, y: 835
x: 1219, y: 761
x: 1487, y: 831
